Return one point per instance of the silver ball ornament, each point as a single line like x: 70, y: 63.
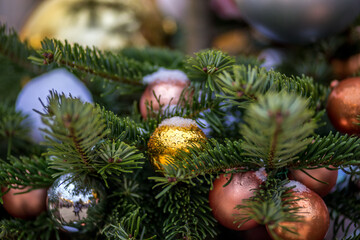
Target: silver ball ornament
x: 299, y: 21
x: 76, y: 204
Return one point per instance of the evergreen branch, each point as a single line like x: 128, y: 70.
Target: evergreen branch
x: 159, y: 57
x: 116, y: 157
x: 188, y: 212
x: 207, y: 65
x: 333, y: 149
x: 246, y: 84
x: 276, y: 129
x: 43, y: 228
x: 74, y: 129
x: 107, y: 65
x: 124, y: 129
x: 26, y: 171
x: 129, y: 228
x: 17, y: 51
x: 344, y: 206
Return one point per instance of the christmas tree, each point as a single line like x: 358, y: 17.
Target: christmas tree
x: 175, y: 146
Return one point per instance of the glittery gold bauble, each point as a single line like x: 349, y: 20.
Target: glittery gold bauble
x: 322, y: 174
x: 315, y: 216
x: 223, y: 200
x: 343, y: 106
x: 106, y: 24
x: 170, y: 136
x: 25, y: 206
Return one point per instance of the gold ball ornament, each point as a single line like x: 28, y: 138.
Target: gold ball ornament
x: 166, y: 85
x: 172, y: 134
x: 27, y: 205
x: 106, y: 24
x: 343, y: 106
x: 315, y: 219
x: 322, y: 174
x: 223, y: 200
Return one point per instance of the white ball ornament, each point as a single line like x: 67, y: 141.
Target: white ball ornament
x: 59, y: 80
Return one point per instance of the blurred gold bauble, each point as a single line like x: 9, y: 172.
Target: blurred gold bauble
x: 315, y: 219
x: 322, y: 174
x: 27, y: 205
x: 170, y: 136
x: 106, y: 24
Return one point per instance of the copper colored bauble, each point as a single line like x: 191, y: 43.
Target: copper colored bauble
x: 223, y: 200
x: 315, y: 216
x: 25, y: 206
x: 322, y: 174
x: 166, y: 84
x: 170, y: 136
x: 299, y: 21
x: 343, y: 106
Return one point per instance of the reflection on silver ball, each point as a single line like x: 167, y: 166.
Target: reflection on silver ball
x: 75, y: 205
x: 299, y: 21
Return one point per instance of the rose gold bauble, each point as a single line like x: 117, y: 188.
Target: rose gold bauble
x: 322, y: 174
x: 223, y: 200
x: 315, y: 221
x: 168, y: 91
x: 343, y: 106
x: 25, y: 206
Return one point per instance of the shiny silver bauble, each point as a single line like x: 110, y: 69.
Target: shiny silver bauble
x: 76, y: 205
x: 299, y: 21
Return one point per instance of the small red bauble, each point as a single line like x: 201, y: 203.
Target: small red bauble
x: 167, y: 85
x: 27, y: 205
x: 315, y: 219
x: 343, y: 106
x: 223, y: 200
x: 322, y: 174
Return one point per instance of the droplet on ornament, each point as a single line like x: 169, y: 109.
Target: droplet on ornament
x: 166, y: 85
x: 315, y: 219
x: 71, y: 201
x: 59, y: 80
x: 223, y: 200
x: 322, y: 174
x: 27, y: 205
x: 343, y: 106
x: 170, y: 136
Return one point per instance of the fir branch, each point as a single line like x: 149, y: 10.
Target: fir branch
x: 271, y: 205
x: 26, y: 171
x: 207, y: 65
x: 333, y: 149
x: 17, y: 51
x: 128, y: 228
x: 124, y: 129
x: 74, y: 129
x: 107, y: 65
x: 43, y: 228
x: 246, y: 84
x: 188, y: 213
x: 276, y: 129
x: 159, y: 57
x: 116, y: 157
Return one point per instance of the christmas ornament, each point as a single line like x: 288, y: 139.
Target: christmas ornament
x: 343, y: 106
x: 27, y: 205
x: 172, y: 134
x: 106, y: 24
x: 28, y: 99
x: 223, y: 200
x: 315, y: 216
x: 166, y: 84
x: 272, y: 58
x: 322, y: 174
x: 233, y: 42
x: 75, y: 205
x: 299, y: 21
x: 226, y: 9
